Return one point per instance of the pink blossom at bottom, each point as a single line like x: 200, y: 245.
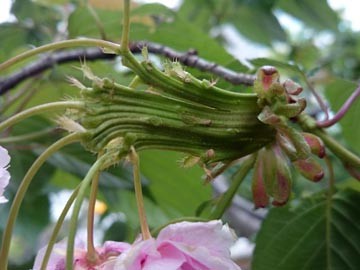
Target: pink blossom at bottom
x: 107, y: 255
x: 182, y: 246
x: 4, y: 174
x: 179, y: 246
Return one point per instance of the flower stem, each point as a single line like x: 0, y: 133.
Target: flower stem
x: 57, y: 228
x: 346, y: 156
x: 113, y: 47
x: 48, y: 107
x: 227, y: 197
x: 28, y: 137
x: 91, y: 252
x: 328, y: 208
x: 126, y: 28
x: 340, y: 114
x: 75, y: 214
x: 134, y: 158
x: 14, y: 210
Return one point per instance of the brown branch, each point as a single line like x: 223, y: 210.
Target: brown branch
x: 188, y: 58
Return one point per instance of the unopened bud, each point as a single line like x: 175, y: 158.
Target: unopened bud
x: 310, y: 169
x: 281, y: 186
x: 292, y: 88
x: 268, y: 75
x: 316, y: 144
x: 290, y: 110
x: 260, y: 197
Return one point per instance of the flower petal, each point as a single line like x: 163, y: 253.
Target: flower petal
x: 4, y: 157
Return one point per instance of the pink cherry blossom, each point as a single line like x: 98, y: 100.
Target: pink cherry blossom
x: 182, y: 246
x: 4, y: 174
x: 107, y: 255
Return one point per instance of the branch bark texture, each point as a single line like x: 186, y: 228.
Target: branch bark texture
x: 189, y: 58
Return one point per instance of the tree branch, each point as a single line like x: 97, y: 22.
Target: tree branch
x: 188, y: 58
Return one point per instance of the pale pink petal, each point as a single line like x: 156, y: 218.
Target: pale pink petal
x: 112, y: 247
x: 4, y: 157
x: 171, y: 258
x: 57, y: 257
x: 133, y: 258
x: 211, y: 235
x: 4, y: 174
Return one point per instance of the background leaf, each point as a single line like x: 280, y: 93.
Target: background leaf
x: 297, y: 238
x: 337, y: 92
x: 316, y: 14
x: 173, y: 187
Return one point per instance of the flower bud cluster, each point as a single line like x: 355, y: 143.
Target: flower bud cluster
x: 272, y: 176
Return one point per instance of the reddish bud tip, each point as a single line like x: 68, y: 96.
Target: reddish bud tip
x: 269, y: 70
x: 268, y: 75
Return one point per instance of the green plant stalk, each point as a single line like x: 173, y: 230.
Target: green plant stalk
x: 76, y: 210
x: 91, y: 252
x: 226, y: 198
x: 126, y: 27
x: 134, y: 158
x: 48, y: 107
x: 57, y: 228
x: 20, y: 194
x: 27, y: 137
x: 23, y: 95
x: 329, y: 200
x: 110, y: 46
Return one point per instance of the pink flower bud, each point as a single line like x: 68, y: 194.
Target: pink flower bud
x: 310, y: 169
x: 281, y: 187
x: 316, y: 144
x: 268, y: 75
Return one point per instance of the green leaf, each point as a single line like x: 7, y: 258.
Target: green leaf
x: 309, y: 237
x: 11, y: 36
x: 337, y: 92
x: 316, y: 14
x: 34, y: 216
x: 198, y: 12
x: 258, y: 24
x: 82, y: 23
x: 176, y: 190
x: 173, y: 33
